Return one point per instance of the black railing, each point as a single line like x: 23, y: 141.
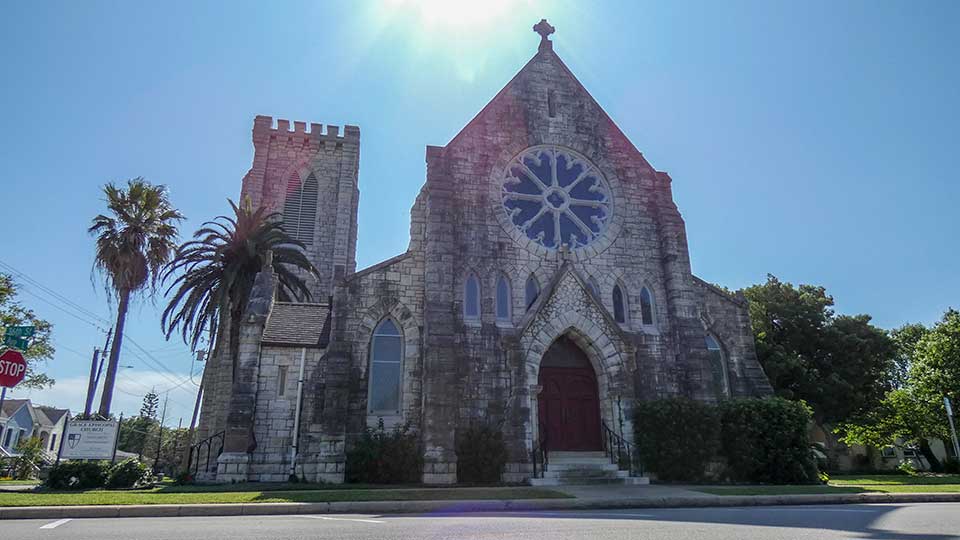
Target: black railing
x: 540, y: 456
x: 621, y: 452
x: 197, y: 454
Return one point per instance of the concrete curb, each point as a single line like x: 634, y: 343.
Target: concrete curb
x: 456, y: 507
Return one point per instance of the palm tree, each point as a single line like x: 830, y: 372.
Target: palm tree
x: 134, y: 244
x: 215, y: 273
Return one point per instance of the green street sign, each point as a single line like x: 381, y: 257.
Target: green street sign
x: 20, y: 331
x: 14, y: 342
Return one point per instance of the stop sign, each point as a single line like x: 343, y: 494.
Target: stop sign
x: 12, y: 368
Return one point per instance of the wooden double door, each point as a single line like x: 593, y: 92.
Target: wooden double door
x: 568, y: 404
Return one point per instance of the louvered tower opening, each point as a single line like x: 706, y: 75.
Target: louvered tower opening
x: 300, y: 210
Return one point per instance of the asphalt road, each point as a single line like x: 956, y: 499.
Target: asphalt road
x: 928, y: 521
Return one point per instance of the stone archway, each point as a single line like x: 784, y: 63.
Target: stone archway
x: 568, y: 403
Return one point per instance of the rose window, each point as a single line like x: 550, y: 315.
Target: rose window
x: 556, y: 197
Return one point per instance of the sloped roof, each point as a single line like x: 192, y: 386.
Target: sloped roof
x: 52, y: 413
x: 298, y: 325
x: 11, y: 406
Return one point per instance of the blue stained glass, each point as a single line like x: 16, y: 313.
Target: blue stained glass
x: 556, y: 197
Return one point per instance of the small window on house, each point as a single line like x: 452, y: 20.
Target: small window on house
x: 718, y: 364
x: 282, y: 381
x: 53, y: 442
x: 6, y: 440
x: 531, y: 291
x: 386, y: 360
x: 646, y: 306
x: 503, y: 298
x: 551, y: 103
x: 619, y: 305
x: 471, y: 297
x: 888, y: 452
x: 910, y: 451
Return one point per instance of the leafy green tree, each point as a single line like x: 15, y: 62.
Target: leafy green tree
x: 30, y: 452
x: 138, y: 435
x: 13, y: 313
x: 839, y: 365
x: 134, y: 243
x: 928, y: 366
x: 212, y: 275
x: 906, y: 337
x: 151, y: 401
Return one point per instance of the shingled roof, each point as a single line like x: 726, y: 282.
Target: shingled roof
x: 298, y: 325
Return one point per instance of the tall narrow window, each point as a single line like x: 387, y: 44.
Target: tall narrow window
x: 718, y: 364
x: 386, y: 360
x: 594, y: 288
x: 300, y: 208
x: 471, y: 297
x: 619, y: 305
x: 531, y: 291
x: 503, y: 298
x: 282, y: 381
x: 646, y: 306
x: 53, y: 442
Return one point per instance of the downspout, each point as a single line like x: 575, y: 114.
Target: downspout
x: 296, y: 415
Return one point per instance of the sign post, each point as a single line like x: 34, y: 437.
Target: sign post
x: 953, y: 429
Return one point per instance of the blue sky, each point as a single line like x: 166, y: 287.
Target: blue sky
x: 812, y: 140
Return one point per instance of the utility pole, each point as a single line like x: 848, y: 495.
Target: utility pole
x: 95, y: 379
x: 163, y: 416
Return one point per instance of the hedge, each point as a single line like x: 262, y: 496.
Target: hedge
x: 384, y: 456
x: 762, y: 440
x: 676, y: 438
x: 767, y: 440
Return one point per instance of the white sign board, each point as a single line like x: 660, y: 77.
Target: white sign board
x: 89, y: 439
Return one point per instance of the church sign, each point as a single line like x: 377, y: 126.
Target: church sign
x: 89, y: 439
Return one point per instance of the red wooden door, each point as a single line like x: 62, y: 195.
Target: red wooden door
x: 569, y: 407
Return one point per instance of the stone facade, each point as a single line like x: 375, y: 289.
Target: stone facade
x: 457, y: 368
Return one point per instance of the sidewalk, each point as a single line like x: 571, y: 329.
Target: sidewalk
x: 587, y: 498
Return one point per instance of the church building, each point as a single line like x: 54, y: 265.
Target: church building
x: 546, y: 289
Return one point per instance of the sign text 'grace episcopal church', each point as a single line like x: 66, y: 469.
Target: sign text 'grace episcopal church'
x: 546, y: 289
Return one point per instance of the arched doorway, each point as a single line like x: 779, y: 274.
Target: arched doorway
x: 568, y: 404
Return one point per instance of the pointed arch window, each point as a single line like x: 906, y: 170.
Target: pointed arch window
x: 471, y: 297
x: 503, y: 298
x: 619, y: 304
x: 594, y: 288
x: 386, y: 368
x: 300, y: 208
x: 718, y: 365
x: 531, y: 291
x: 646, y: 307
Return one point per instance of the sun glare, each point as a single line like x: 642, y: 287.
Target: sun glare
x: 456, y: 15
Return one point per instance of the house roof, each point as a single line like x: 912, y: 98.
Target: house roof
x: 53, y: 414
x: 298, y: 325
x: 11, y: 406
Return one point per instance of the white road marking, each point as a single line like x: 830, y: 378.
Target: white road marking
x: 345, y: 519
x: 55, y: 524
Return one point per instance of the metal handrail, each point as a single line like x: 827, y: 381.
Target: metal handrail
x: 621, y: 452
x: 540, y: 451
x: 195, y: 450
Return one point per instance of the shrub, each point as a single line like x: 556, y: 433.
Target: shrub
x: 766, y: 440
x: 906, y: 467
x: 676, y: 438
x: 951, y: 466
x: 481, y: 454
x: 127, y: 474
x: 385, y: 457
x: 78, y: 475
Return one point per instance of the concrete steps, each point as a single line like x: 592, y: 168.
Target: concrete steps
x: 584, y: 468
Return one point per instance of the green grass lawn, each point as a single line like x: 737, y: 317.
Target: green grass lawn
x: 253, y: 493
x: 852, y: 484
x: 11, y: 482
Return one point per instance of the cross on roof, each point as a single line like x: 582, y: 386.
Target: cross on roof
x: 544, y: 29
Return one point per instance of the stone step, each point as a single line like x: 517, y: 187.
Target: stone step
x: 567, y: 466
x: 629, y: 481
x: 581, y: 474
x: 566, y: 454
